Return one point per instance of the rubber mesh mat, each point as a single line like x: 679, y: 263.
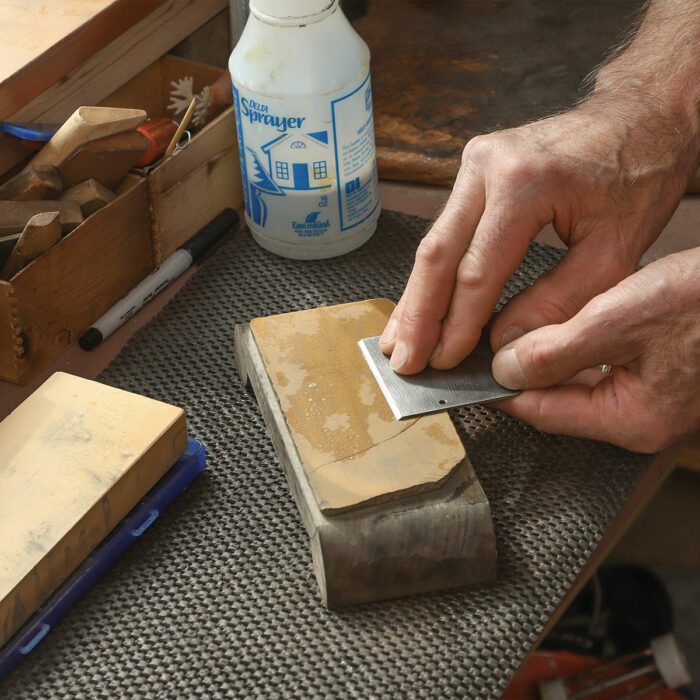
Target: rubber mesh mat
x: 218, y: 598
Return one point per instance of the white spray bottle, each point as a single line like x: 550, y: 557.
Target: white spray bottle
x: 303, y: 104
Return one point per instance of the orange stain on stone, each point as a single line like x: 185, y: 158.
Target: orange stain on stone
x: 353, y: 450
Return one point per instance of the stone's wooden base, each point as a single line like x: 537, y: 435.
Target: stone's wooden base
x: 435, y: 535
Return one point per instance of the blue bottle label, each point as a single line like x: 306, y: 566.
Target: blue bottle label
x: 308, y: 164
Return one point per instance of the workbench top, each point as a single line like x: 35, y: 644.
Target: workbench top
x: 220, y: 595
x: 41, y: 41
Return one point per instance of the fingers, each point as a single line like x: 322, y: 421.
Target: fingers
x: 646, y: 326
x: 586, y: 412
x: 414, y: 328
x: 584, y: 272
x: 462, y: 264
x: 574, y: 409
x: 556, y: 353
x: 499, y: 244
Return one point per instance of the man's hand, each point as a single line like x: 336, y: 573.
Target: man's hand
x: 608, y: 175
x: 648, y: 328
x: 607, y: 187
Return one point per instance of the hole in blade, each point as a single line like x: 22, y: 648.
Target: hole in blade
x: 442, y: 402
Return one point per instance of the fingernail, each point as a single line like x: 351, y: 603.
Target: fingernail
x: 436, y: 352
x: 389, y: 334
x: 506, y: 370
x: 399, y: 356
x: 511, y: 333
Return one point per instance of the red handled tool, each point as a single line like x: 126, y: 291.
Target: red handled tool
x: 159, y: 133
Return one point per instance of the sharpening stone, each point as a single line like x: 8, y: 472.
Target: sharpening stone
x: 391, y: 507
x: 75, y: 457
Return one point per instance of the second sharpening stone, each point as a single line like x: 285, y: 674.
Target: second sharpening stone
x: 75, y: 457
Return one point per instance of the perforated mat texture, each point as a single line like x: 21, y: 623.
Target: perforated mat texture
x: 218, y: 599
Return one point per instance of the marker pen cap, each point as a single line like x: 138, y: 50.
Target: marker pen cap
x: 292, y: 11
x: 90, y: 339
x: 204, y: 239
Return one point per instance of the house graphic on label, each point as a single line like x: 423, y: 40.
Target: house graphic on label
x: 299, y: 161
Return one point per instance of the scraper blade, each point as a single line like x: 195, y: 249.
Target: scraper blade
x: 432, y: 389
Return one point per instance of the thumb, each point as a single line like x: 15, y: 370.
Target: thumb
x: 552, y: 354
x: 558, y: 295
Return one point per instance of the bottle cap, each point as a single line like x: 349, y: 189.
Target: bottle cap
x: 292, y: 11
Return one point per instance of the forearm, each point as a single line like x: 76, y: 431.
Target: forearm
x: 655, y: 81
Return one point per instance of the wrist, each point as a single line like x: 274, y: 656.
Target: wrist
x: 667, y: 98
x: 653, y: 84
x: 657, y: 133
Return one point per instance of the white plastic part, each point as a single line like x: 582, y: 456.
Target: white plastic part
x: 553, y: 689
x: 670, y: 661
x: 292, y: 11
x: 303, y: 102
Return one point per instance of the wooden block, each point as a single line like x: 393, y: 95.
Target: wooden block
x: 391, y: 507
x: 106, y: 160
x: 75, y: 457
x: 40, y: 233
x: 85, y: 125
x: 89, y: 195
x: 37, y: 182
x: 15, y: 215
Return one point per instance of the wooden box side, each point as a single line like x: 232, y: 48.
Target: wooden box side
x: 192, y: 187
x: 12, y: 360
x: 141, y: 92
x: 196, y: 182
x: 217, y: 136
x: 150, y: 89
x: 71, y: 285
